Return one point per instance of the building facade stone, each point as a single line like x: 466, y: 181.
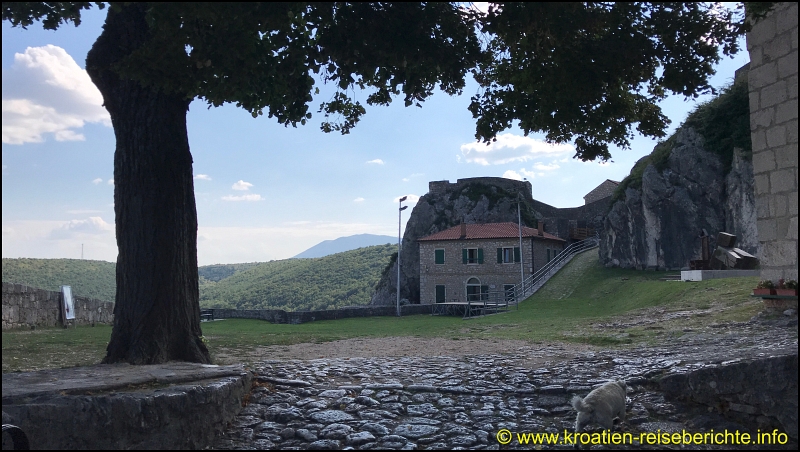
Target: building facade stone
x: 492, y: 273
x: 772, y: 79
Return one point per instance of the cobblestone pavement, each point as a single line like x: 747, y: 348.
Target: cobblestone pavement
x: 462, y: 402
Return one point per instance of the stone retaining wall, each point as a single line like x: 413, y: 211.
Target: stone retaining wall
x: 297, y: 317
x: 761, y: 393
x: 25, y: 307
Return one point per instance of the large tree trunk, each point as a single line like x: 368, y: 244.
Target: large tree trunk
x: 157, y: 311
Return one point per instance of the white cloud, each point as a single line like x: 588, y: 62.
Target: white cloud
x: 252, y: 197
x: 511, y: 148
x: 110, y: 182
x: 511, y: 174
x: 97, y: 181
x: 90, y: 226
x: 242, y: 185
x: 542, y: 167
x: 359, y: 199
x: 203, y: 177
x: 59, y: 239
x: 479, y: 7
x: 523, y: 173
x: 376, y: 162
x: 46, y: 92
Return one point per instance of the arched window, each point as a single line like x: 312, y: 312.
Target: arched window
x: 476, y: 291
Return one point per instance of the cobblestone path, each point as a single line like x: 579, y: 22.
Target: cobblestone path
x: 462, y: 402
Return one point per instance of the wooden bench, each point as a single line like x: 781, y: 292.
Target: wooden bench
x: 206, y: 315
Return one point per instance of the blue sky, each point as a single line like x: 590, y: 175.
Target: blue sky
x: 263, y: 191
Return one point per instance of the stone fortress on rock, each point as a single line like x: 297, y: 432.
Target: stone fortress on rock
x: 485, y: 201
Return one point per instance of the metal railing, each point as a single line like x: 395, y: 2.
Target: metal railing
x: 535, y: 281
x: 489, y: 303
x: 502, y: 300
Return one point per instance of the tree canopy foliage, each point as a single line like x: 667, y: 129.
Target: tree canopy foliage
x: 583, y: 72
x: 263, y: 56
x: 587, y: 72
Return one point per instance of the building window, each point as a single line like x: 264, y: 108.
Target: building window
x: 472, y: 255
x: 508, y: 255
x: 476, y: 291
x: 509, y: 291
x: 438, y: 256
x: 441, y: 294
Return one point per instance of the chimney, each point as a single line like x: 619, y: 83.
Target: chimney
x: 463, y: 230
x: 540, y: 226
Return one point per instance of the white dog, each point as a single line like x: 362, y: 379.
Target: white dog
x: 601, y: 406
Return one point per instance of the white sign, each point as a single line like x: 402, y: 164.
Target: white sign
x: 69, y: 305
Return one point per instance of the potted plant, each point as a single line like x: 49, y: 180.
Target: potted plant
x: 764, y: 287
x: 786, y: 288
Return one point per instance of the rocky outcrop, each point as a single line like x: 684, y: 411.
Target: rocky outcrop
x: 740, y: 204
x: 473, y: 200
x: 656, y: 225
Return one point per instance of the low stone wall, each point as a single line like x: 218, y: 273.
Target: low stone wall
x: 297, y: 317
x: 175, y: 405
x: 24, y: 307
x: 759, y: 393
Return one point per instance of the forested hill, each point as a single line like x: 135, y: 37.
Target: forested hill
x: 334, y: 281
x: 337, y: 280
x: 94, y: 279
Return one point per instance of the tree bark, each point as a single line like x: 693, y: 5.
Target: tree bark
x: 157, y: 311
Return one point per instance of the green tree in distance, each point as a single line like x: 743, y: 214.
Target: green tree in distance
x: 153, y: 59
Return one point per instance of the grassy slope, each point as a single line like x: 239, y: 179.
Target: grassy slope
x: 583, y: 303
x: 338, y: 280
x: 582, y: 295
x: 94, y: 279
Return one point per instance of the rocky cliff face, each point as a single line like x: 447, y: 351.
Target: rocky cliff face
x: 657, y: 225
x: 474, y: 200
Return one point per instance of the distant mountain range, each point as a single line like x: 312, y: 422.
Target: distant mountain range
x: 341, y: 244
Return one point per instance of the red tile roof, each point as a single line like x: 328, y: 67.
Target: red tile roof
x: 488, y: 231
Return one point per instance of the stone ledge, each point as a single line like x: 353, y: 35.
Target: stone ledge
x: 703, y: 275
x: 760, y: 392
x: 170, y: 406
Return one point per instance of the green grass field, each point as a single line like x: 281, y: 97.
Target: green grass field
x: 584, y: 303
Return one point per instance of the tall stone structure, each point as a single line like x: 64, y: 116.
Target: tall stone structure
x: 476, y: 200
x: 772, y: 44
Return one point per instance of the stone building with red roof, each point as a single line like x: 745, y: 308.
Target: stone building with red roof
x: 469, y: 261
